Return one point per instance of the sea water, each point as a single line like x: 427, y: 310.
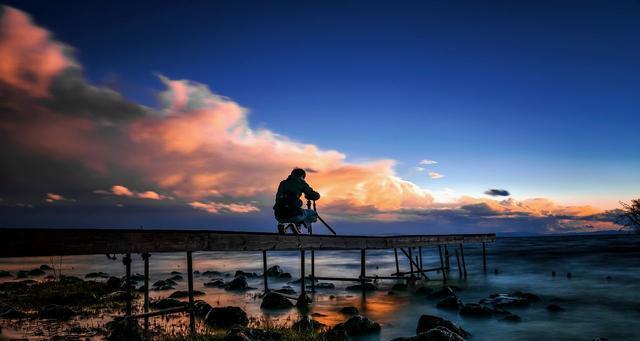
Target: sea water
x: 601, y: 298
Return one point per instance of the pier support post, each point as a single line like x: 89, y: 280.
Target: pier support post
x: 264, y: 271
x: 362, y: 271
x: 302, y: 286
x: 192, y: 316
x: 395, y: 251
x: 442, y: 267
x: 484, y: 257
x: 127, y: 263
x: 458, y: 262
x: 410, y: 262
x: 313, y: 271
x: 420, y: 253
x: 446, y: 257
x: 145, y: 257
x: 464, y: 264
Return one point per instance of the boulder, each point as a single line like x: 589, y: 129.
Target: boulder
x: 57, y: 312
x: 164, y: 287
x: 245, y: 274
x: 210, y: 273
x: 442, y: 293
x: 176, y: 273
x: 22, y: 274
x: 201, y: 308
x: 358, y: 287
x: 306, y: 323
x: 218, y: 283
x: 428, y: 322
x: 450, y: 303
x: 349, y: 310
x: 185, y: 293
x: 274, y: 271
x: 169, y: 281
x: 159, y: 283
x: 358, y: 325
x: 303, y: 302
x: 36, y: 272
x: 476, y: 310
x: 4, y: 273
x: 225, y: 317
x: 274, y: 300
x: 97, y: 275
x: 167, y: 303
x: 45, y: 267
x: 286, y: 290
x: 124, y: 329
x: 114, y: 282
x: 285, y: 275
x: 440, y: 334
x: 554, y: 308
x: 176, y: 278
x: 237, y: 283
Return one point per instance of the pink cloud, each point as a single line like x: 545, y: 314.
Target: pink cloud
x: 123, y: 191
x: 29, y: 59
x: 218, y: 207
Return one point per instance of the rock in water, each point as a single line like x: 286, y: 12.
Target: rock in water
x: 554, y: 308
x: 306, y: 323
x: 4, y: 273
x: 245, y: 274
x: 303, y: 302
x: 225, y: 317
x: 218, y: 283
x: 428, y: 322
x: 349, y: 310
x: 450, y: 303
x: 274, y: 271
x: 36, y: 272
x: 286, y: 290
x: 274, y: 300
x: 114, y: 282
x: 442, y: 293
x: 201, y: 308
x: 57, y: 312
x: 124, y: 329
x: 45, y: 267
x: 167, y: 303
x: 399, y: 287
x: 238, y: 283
x: 185, y: 293
x: 515, y: 299
x: 358, y: 325
x: 475, y: 310
x: 440, y: 334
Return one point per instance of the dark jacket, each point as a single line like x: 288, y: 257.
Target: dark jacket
x: 288, y: 203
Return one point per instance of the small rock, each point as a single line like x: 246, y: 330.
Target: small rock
x: 97, y: 275
x: 554, y: 308
x: 201, y: 308
x: 515, y: 299
x: 303, y: 302
x: 159, y: 283
x: 475, y: 310
x: 118, y: 296
x: 4, y: 273
x: 451, y: 303
x: 569, y: 275
x: 164, y: 287
x: 305, y: 323
x: 609, y: 278
x: 442, y: 293
x: 185, y: 293
x: 169, y: 281
x: 176, y: 273
x: 428, y: 322
x: 351, y: 310
x: 137, y: 277
x: 238, y: 283
x: 176, y: 278
x: 323, y: 286
x: 22, y: 274
x: 440, y: 334
x: 196, y: 272
x: 45, y: 267
x: 246, y: 274
x: 36, y: 272
x: 553, y: 274
x: 286, y: 290
x: 167, y: 303
x: 274, y: 300
x: 56, y: 312
x: 358, y: 325
x: 285, y: 275
x: 114, y: 282
x: 274, y: 271
x: 225, y: 317
x: 212, y: 273
x: 218, y: 283
x: 358, y: 287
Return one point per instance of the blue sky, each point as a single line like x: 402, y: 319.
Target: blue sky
x: 536, y: 97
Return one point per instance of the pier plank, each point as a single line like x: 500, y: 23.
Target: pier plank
x: 31, y: 242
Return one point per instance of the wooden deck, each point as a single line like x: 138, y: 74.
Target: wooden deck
x: 31, y: 242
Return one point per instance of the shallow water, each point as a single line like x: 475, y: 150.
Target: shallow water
x: 595, y: 306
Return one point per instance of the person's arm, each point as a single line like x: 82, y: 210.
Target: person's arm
x: 309, y: 193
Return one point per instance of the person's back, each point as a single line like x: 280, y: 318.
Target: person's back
x: 288, y: 206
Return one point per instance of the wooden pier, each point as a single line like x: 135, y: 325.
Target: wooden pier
x: 33, y: 242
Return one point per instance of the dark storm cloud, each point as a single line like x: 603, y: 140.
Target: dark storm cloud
x: 497, y: 192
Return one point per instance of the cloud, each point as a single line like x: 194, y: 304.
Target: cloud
x: 59, y: 132
x: 123, y: 191
x: 428, y: 162
x: 217, y: 207
x: 419, y: 169
x: 52, y: 197
x: 497, y: 192
x: 435, y: 175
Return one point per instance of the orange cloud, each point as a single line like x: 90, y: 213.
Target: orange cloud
x: 218, y: 207
x: 123, y: 191
x: 29, y: 59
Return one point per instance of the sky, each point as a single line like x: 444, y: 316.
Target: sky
x: 416, y: 117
